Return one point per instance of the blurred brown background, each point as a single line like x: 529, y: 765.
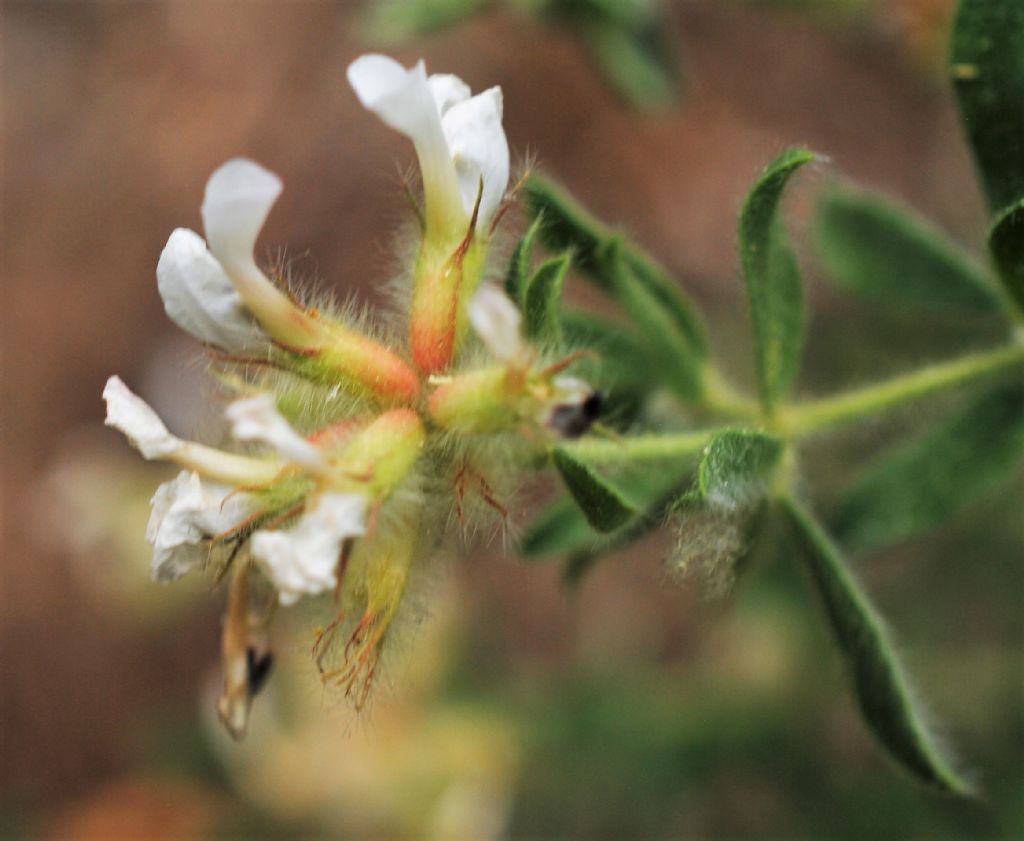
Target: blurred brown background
x: 114, y: 115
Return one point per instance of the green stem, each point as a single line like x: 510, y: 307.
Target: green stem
x: 863, y: 402
x: 721, y: 398
x: 639, y: 448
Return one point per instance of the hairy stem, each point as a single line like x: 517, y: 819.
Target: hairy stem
x: 873, y: 399
x: 639, y: 448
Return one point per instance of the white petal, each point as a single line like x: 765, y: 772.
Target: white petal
x: 186, y: 512
x: 199, y: 297
x: 257, y: 419
x: 477, y: 144
x: 130, y: 414
x: 404, y: 100
x: 572, y: 390
x: 447, y: 89
x: 238, y: 198
x: 304, y: 560
x: 496, y: 320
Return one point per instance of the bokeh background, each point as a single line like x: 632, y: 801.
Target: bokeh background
x: 627, y: 706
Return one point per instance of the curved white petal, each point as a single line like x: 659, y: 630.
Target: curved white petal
x: 405, y: 101
x: 477, y: 144
x: 238, y: 198
x: 130, y: 414
x: 447, y: 89
x: 257, y: 419
x: 496, y: 320
x: 304, y: 560
x: 186, y: 512
x: 200, y: 298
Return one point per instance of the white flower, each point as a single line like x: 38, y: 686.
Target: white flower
x: 497, y: 321
x: 236, y: 203
x: 186, y: 514
x: 130, y: 414
x: 304, y: 560
x: 459, y: 138
x: 200, y: 298
x: 257, y: 419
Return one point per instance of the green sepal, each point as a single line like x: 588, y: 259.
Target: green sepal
x: 772, y: 276
x: 875, y: 248
x: 542, y: 299
x: 924, y: 482
x: 1006, y: 244
x: 518, y: 274
x: 738, y: 467
x: 987, y: 67
x: 885, y: 697
x: 667, y: 338
x: 603, y: 505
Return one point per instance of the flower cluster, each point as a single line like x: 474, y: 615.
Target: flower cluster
x: 356, y: 447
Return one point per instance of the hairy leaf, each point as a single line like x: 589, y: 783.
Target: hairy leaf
x: 738, y: 467
x: 518, y: 275
x: 924, y: 482
x: 599, y: 252
x: 883, y: 693
x: 987, y: 66
x: 1006, y: 242
x: 773, y: 278
x: 601, y: 503
x: 543, y: 298
x: 668, y: 340
x: 878, y: 249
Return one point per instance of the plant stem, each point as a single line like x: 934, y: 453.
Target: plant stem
x: 640, y: 448
x: 870, y: 400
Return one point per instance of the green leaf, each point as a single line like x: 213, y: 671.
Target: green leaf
x: 603, y: 505
x: 668, y: 341
x: 517, y: 277
x: 1006, y: 243
x: 878, y: 249
x: 883, y: 693
x: 564, y: 224
x: 559, y: 530
x: 542, y: 299
x: 395, y: 20
x: 987, y: 66
x: 773, y: 278
x: 926, y: 481
x: 639, y: 64
x: 597, y: 251
x: 563, y: 530
x: 738, y: 467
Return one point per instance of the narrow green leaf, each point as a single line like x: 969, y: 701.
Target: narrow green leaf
x: 773, y: 278
x: 1006, y: 242
x: 738, y: 467
x: 395, y: 20
x: 563, y: 530
x: 559, y: 530
x: 567, y: 225
x: 669, y: 344
x: 924, y: 482
x: 638, y: 64
x: 878, y: 249
x: 883, y: 693
x: 542, y: 299
x: 517, y: 277
x: 987, y: 66
x: 603, y: 505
